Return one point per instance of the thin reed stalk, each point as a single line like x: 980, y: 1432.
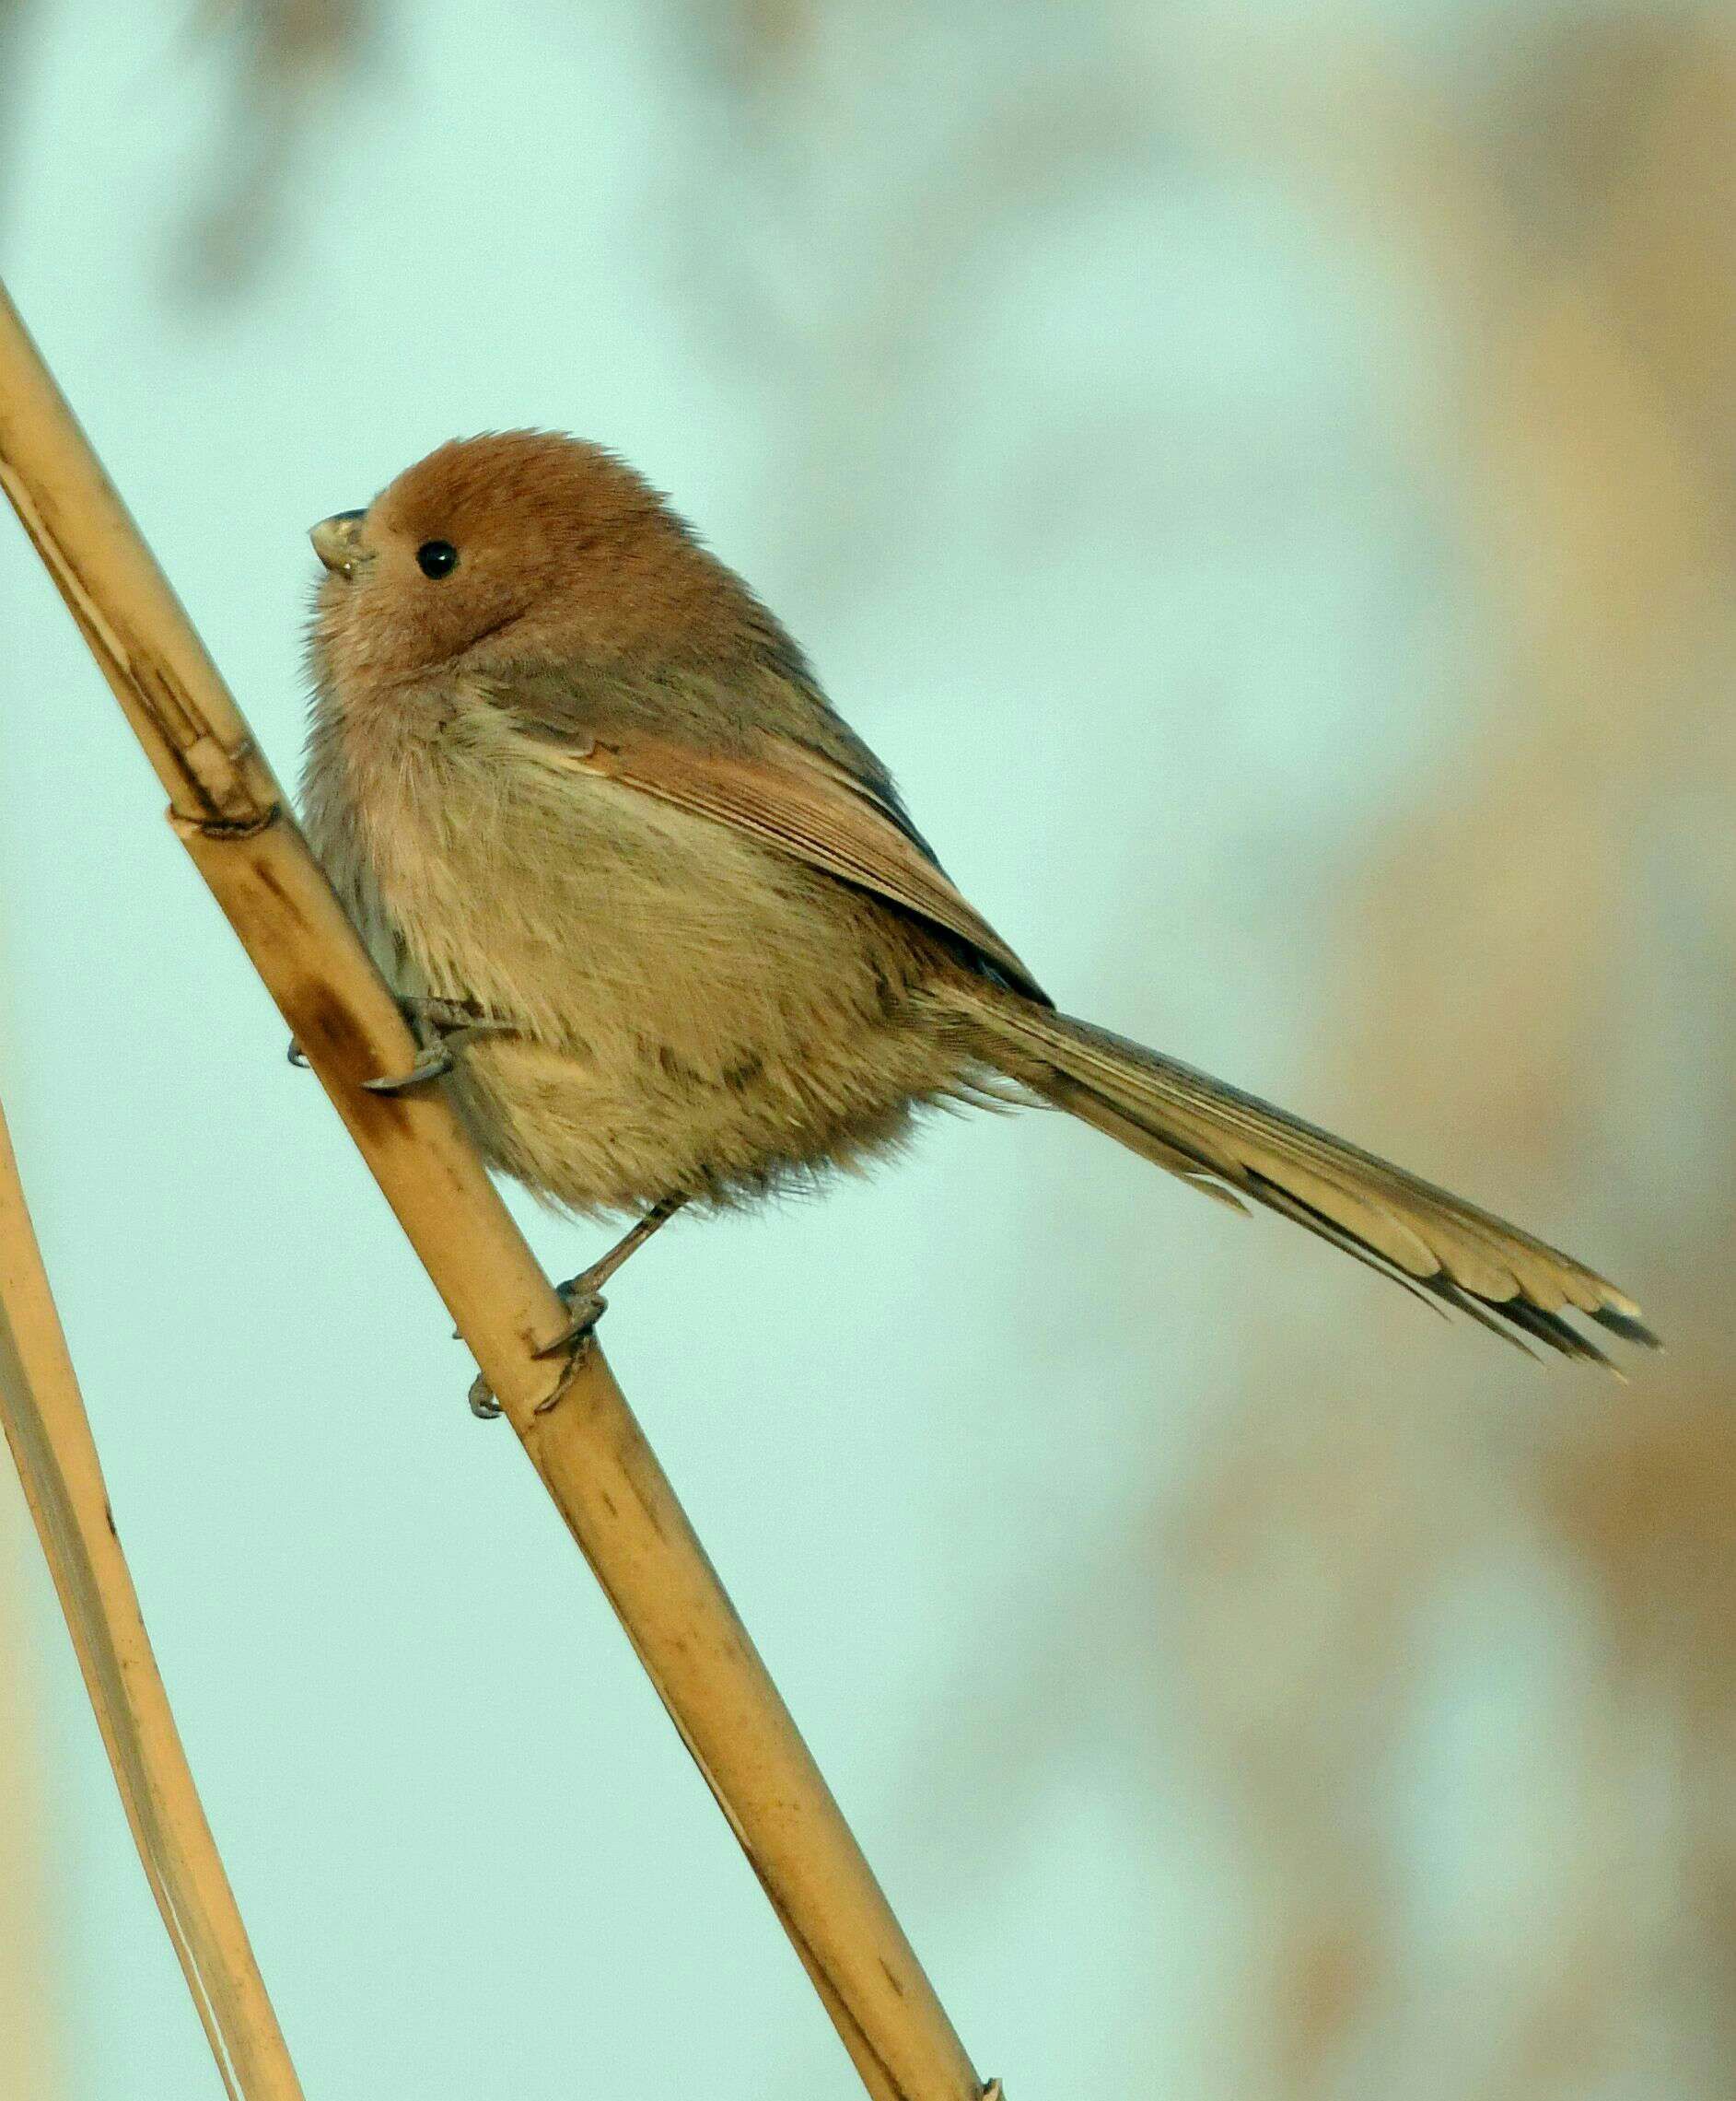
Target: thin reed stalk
x: 581, y: 1437
x: 49, y: 1432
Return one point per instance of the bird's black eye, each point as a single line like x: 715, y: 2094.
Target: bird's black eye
x: 437, y: 558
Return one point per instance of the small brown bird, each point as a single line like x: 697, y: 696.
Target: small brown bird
x: 666, y: 922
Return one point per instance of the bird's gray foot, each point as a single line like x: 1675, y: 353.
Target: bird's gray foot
x: 439, y: 1026
x: 586, y: 1307
x: 434, y: 1061
x: 585, y: 1304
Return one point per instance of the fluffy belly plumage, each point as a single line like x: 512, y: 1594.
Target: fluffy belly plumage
x: 690, y: 1013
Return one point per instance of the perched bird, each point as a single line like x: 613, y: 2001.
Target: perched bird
x: 667, y: 925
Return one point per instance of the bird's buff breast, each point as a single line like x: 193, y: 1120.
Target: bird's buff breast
x: 690, y: 1013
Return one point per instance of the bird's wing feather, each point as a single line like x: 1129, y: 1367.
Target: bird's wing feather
x: 809, y: 806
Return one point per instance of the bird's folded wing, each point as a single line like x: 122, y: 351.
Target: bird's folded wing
x: 806, y: 806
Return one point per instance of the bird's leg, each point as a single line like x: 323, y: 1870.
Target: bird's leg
x: 585, y: 1300
x: 437, y: 1025
x: 583, y: 1293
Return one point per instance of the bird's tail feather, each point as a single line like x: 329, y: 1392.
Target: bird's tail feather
x: 1233, y: 1147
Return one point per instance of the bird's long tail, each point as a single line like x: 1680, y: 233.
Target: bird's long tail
x: 1233, y: 1147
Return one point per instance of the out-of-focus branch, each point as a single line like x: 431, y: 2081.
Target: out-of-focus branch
x: 284, y: 59
x: 50, y: 1435
x: 576, y: 1428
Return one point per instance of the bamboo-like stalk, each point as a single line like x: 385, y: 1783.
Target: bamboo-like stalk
x: 50, y: 1435
x: 575, y: 1424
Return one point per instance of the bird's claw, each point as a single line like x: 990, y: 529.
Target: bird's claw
x: 586, y: 1305
x: 439, y: 1026
x: 297, y: 1056
x: 433, y: 1062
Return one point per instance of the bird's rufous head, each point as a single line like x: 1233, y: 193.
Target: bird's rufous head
x: 506, y: 548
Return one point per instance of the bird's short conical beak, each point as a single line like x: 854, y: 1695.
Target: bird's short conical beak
x: 337, y: 540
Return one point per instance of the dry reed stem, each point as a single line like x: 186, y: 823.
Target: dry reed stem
x: 576, y: 1426
x: 32, y: 2052
x: 50, y: 1435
